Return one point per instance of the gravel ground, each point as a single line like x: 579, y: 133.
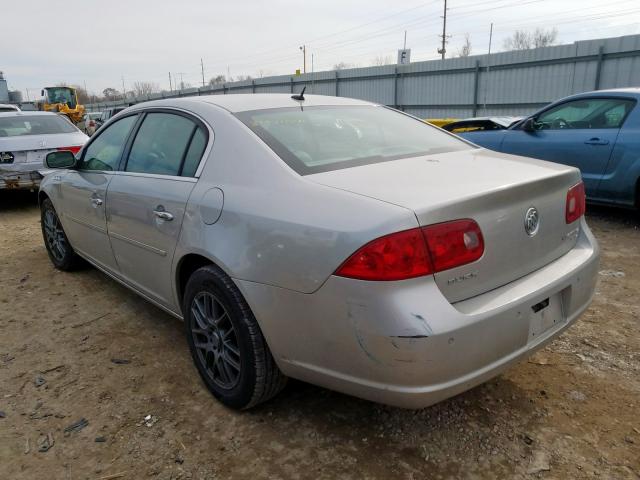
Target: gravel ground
x: 83, y: 361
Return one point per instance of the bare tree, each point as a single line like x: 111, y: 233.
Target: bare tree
x: 242, y: 78
x: 145, y: 88
x: 111, y: 94
x: 217, y: 80
x: 343, y: 66
x: 381, y: 60
x: 523, y: 40
x: 465, y: 50
x: 83, y: 95
x: 544, y: 38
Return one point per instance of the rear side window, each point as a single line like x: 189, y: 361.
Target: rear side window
x: 104, y: 152
x: 166, y: 144
x: 194, y: 154
x: 22, y: 125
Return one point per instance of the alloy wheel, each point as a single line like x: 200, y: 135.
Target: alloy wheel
x: 54, y: 234
x: 215, y: 340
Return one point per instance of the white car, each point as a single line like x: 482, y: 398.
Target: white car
x: 25, y: 140
x: 7, y: 107
x: 88, y: 124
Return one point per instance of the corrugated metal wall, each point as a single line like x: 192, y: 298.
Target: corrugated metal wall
x: 506, y: 83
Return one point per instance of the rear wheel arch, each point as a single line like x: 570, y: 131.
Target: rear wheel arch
x: 186, y: 267
x: 42, y: 196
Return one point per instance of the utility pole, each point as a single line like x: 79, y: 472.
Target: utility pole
x: 405, y: 40
x: 304, y: 58
x: 181, y: 80
x: 312, y: 74
x: 170, y: 84
x: 442, y: 51
x: 202, y: 67
x: 488, y: 65
x: 124, y: 90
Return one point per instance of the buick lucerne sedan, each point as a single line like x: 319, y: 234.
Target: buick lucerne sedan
x: 326, y: 239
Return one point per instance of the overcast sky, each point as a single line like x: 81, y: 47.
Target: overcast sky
x: 44, y: 42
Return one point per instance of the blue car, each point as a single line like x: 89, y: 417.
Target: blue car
x: 598, y: 132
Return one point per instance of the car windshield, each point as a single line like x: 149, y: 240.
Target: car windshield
x: 319, y: 139
x: 20, y: 125
x: 61, y: 95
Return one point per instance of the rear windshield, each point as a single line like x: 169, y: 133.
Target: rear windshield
x: 34, y: 125
x: 320, y: 139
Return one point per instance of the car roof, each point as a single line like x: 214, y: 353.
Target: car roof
x: 27, y: 113
x: 257, y: 101
x: 630, y: 91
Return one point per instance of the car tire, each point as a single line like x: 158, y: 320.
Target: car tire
x: 226, y: 342
x: 60, y: 251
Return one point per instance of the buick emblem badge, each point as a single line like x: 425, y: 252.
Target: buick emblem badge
x: 531, y: 221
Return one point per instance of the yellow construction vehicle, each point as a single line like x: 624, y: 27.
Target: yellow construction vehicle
x: 63, y: 100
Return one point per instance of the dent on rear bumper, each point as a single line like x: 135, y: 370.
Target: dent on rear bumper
x: 402, y: 343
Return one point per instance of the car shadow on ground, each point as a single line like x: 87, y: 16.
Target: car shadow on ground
x: 618, y: 216
x: 15, y: 200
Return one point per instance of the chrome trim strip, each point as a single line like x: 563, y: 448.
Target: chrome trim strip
x: 155, y: 250
x: 85, y: 224
x: 159, y: 176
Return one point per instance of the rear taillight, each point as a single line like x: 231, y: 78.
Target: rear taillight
x: 393, y: 257
x: 73, y: 150
x: 454, y: 243
x: 576, y: 203
x: 416, y: 252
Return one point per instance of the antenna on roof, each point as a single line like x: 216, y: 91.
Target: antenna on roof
x: 301, y: 96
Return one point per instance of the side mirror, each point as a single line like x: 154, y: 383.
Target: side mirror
x: 61, y: 159
x: 529, y: 125
x: 42, y: 93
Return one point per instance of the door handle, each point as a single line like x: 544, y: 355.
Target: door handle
x: 597, y: 141
x: 163, y: 215
x: 96, y: 202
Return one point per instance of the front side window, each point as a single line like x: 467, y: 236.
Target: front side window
x: 318, y: 139
x: 104, y: 152
x: 162, y: 146
x: 22, y: 125
x: 589, y: 113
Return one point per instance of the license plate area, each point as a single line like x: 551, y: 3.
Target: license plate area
x: 545, y: 315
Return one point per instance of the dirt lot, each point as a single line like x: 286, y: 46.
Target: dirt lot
x: 572, y: 411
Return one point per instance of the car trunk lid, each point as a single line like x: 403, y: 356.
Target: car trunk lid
x: 34, y: 148
x: 496, y: 190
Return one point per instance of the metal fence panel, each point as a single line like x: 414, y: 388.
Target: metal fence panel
x: 504, y: 83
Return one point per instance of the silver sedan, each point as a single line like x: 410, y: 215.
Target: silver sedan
x: 326, y: 239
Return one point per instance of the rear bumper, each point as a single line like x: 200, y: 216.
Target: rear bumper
x: 403, y: 344
x: 20, y: 180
